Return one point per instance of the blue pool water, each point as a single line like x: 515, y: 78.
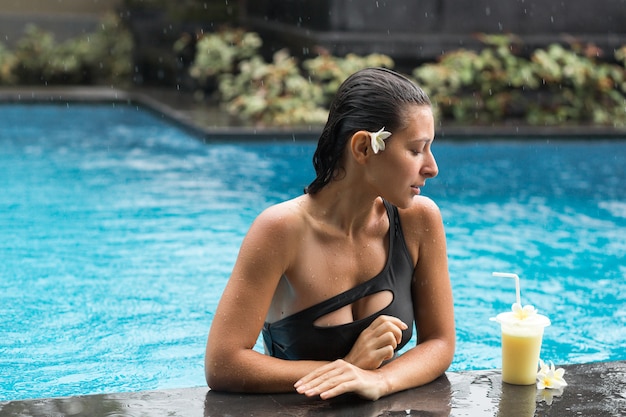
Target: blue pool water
x: 118, y: 231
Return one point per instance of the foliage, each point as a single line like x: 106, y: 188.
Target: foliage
x: 103, y: 56
x: 277, y: 93
x: 577, y: 87
x: 272, y: 94
x: 7, y: 63
x: 220, y: 53
x: 111, y: 48
x: 329, y: 71
x: 555, y: 85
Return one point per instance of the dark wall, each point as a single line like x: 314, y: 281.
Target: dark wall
x: 417, y: 30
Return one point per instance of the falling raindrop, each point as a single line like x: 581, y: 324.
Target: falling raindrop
x: 487, y: 11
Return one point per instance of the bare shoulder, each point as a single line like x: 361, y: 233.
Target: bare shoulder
x: 423, y: 212
x: 422, y: 226
x: 280, y: 224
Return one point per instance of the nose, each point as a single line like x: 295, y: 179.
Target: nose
x: 430, y: 168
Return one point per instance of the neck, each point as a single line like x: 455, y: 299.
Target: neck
x: 346, y: 208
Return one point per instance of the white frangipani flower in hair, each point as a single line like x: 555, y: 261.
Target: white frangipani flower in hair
x: 378, y: 139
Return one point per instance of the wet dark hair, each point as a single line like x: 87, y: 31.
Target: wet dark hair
x: 369, y: 99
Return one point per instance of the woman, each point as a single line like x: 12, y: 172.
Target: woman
x: 335, y: 278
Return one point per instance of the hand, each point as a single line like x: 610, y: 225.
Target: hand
x: 376, y: 343
x: 340, y: 377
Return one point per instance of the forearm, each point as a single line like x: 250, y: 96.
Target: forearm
x: 418, y: 366
x: 249, y: 371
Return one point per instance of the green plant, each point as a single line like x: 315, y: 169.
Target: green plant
x: 329, y: 71
x: 109, y: 52
x: 444, y: 81
x: 282, y: 93
x: 99, y: 57
x: 577, y: 87
x: 33, y: 53
x: 7, y: 63
x: 273, y: 93
x: 484, y: 86
x: 220, y: 53
x: 556, y: 85
x: 278, y: 93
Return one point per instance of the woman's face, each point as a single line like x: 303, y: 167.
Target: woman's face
x: 407, y: 162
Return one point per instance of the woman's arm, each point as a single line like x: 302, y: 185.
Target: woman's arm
x: 433, y: 303
x: 230, y: 362
x: 434, y: 316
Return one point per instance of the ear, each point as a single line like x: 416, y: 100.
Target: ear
x: 360, y: 146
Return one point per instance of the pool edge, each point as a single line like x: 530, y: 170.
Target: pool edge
x: 596, y: 389
x: 180, y: 106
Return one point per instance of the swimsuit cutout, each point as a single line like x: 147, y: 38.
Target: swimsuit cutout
x: 296, y: 337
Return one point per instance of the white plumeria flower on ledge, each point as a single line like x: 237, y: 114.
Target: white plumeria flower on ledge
x: 550, y: 378
x: 378, y: 139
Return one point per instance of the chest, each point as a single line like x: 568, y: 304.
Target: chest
x: 328, y: 268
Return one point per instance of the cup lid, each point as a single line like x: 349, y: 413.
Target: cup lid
x: 526, y: 316
x: 510, y: 318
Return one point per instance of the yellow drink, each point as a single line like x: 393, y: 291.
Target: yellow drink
x: 520, y: 357
x: 522, y: 331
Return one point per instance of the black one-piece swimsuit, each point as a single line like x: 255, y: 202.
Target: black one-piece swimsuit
x: 296, y: 337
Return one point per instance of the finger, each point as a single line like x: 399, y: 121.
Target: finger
x: 391, y: 319
x: 318, y: 375
x: 387, y: 352
x: 329, y: 382
x: 319, y: 385
x: 388, y: 329
x: 337, y: 390
x: 384, y: 323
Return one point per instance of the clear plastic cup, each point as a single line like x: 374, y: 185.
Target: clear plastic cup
x: 521, y: 346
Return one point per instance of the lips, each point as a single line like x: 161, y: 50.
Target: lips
x: 416, y: 189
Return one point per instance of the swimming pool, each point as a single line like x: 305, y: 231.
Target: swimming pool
x: 119, y: 230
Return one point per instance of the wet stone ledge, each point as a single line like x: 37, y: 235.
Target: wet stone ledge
x: 594, y: 389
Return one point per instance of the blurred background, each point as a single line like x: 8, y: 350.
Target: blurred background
x: 540, y: 62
